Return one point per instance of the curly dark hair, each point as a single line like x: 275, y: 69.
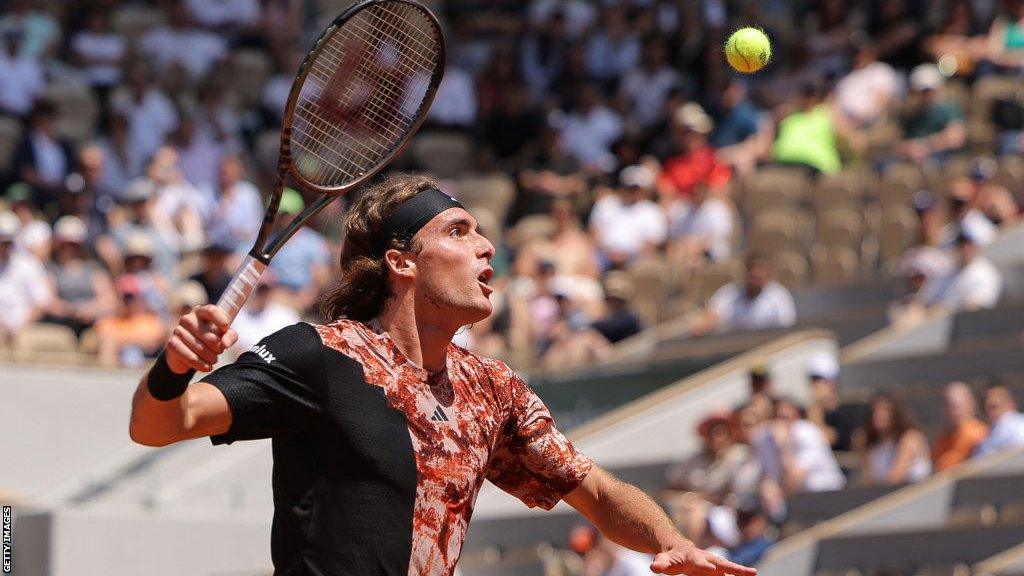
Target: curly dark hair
x: 902, y: 422
x: 363, y: 287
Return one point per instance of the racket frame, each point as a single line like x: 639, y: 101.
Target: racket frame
x: 253, y: 266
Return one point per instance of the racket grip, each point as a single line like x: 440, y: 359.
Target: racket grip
x: 241, y: 286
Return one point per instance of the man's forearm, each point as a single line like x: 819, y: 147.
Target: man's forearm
x: 627, y: 516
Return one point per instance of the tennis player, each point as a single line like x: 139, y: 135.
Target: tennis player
x: 383, y: 430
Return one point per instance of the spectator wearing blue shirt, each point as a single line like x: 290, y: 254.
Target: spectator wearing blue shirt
x: 302, y: 264
x: 1006, y: 423
x: 755, y: 538
x: 741, y: 134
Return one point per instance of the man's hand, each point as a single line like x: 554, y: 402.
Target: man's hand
x: 198, y: 339
x: 685, y: 558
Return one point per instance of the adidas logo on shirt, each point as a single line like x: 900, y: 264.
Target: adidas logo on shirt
x: 439, y: 415
x: 262, y: 351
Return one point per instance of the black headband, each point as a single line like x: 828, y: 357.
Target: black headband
x: 412, y: 215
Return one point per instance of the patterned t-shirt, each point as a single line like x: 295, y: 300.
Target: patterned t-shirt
x: 377, y: 463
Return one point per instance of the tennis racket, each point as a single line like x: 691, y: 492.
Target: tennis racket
x: 360, y: 95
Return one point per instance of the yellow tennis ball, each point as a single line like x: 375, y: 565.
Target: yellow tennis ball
x: 748, y: 50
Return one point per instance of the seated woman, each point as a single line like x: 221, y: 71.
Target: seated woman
x: 724, y: 471
x: 84, y: 291
x: 894, y: 450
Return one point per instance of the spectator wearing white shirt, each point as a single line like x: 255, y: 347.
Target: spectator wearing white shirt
x: 590, y: 131
x: 758, y: 303
x: 121, y: 161
x: 199, y: 155
x: 237, y: 217
x: 647, y: 86
x: 181, y: 43
x: 230, y: 17
x: 455, y: 103
x: 23, y: 78
x: 99, y: 50
x: 626, y: 224
x: 184, y: 210
x: 702, y: 230
x: 151, y: 115
x: 794, y: 457
x: 261, y: 316
x: 964, y: 194
x: 24, y: 288
x: 1006, y: 423
x: 866, y: 94
x: 975, y: 284
x: 613, y: 49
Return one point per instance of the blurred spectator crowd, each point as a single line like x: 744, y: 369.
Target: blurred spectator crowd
x: 625, y: 174
x: 732, y: 496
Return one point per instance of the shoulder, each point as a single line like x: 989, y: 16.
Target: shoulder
x: 729, y: 291
x: 777, y: 290
x: 494, y: 377
x: 473, y: 363
x: 298, y: 341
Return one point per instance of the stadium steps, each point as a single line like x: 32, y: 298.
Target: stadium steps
x: 913, y: 528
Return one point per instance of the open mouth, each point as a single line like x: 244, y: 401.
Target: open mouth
x: 484, y: 278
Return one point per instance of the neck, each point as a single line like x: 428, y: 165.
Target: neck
x: 423, y: 340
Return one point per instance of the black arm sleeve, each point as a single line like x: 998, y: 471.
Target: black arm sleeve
x: 274, y: 388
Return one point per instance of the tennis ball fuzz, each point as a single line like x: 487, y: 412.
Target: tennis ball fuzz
x: 748, y: 50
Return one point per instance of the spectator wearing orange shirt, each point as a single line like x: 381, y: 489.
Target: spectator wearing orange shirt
x: 695, y: 162
x: 135, y: 333
x: 965, y: 430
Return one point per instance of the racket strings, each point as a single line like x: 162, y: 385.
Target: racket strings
x: 364, y: 92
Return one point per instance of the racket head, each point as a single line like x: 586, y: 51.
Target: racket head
x: 361, y: 94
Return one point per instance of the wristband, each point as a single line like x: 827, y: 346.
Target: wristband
x: 164, y: 384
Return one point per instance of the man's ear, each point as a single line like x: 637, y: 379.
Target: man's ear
x: 402, y: 264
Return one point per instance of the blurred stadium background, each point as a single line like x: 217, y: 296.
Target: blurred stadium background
x: 788, y: 305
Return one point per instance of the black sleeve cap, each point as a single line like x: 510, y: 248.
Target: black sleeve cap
x: 273, y: 388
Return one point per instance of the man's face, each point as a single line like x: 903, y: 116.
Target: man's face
x: 996, y: 404
x: 758, y: 276
x: 966, y: 252
x: 452, y: 267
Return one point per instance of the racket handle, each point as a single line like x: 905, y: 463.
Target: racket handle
x: 241, y: 286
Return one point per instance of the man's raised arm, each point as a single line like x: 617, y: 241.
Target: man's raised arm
x: 165, y: 409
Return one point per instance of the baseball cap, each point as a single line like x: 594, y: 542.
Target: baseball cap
x: 138, y: 190
x: 9, y: 226
x: 138, y: 244
x: 191, y: 294
x: 692, y: 116
x: 291, y: 202
x: 926, y: 77
x: 637, y: 176
x: 18, y: 192
x: 70, y: 229
x: 823, y: 367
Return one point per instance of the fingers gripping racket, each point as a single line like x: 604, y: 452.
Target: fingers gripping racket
x: 358, y: 98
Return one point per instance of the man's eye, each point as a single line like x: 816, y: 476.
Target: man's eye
x: 456, y: 232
